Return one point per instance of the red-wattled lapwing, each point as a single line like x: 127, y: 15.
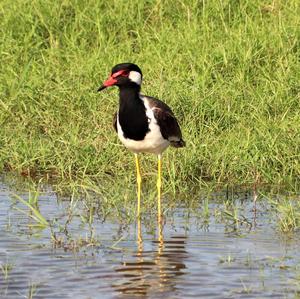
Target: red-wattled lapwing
x: 143, y: 124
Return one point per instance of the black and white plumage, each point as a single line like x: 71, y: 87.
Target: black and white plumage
x: 143, y: 123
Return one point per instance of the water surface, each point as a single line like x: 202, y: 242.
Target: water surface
x: 191, y: 254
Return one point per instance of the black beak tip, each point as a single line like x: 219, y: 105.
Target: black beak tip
x: 101, y: 88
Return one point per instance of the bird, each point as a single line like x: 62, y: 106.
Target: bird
x: 144, y: 124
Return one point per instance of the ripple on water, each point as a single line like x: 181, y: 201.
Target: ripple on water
x: 182, y: 259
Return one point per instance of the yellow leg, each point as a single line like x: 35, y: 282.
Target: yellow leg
x: 139, y: 183
x: 160, y: 221
x: 139, y: 236
x: 159, y: 186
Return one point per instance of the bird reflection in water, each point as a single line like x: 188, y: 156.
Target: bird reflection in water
x: 153, y: 271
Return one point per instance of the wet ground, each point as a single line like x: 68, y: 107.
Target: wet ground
x: 221, y: 251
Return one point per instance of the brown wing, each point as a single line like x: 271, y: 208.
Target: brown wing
x: 167, y: 122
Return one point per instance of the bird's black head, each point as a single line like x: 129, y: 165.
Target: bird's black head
x: 124, y: 74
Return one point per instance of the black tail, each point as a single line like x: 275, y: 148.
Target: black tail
x: 178, y: 143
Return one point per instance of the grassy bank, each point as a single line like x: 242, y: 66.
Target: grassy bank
x: 230, y: 70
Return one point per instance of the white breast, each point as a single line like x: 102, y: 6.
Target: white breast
x: 153, y: 141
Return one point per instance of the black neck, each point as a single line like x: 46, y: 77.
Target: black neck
x: 132, y: 113
x: 129, y: 94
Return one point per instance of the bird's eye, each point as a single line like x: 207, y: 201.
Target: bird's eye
x: 125, y: 74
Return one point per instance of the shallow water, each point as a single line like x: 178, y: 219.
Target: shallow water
x: 188, y: 255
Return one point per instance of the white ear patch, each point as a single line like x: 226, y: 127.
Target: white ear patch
x: 135, y: 77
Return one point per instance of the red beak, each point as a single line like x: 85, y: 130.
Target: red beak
x: 109, y: 82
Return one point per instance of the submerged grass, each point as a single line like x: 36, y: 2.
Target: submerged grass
x: 34, y: 213
x: 5, y: 269
x: 288, y: 214
x: 229, y: 69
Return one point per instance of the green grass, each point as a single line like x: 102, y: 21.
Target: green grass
x: 229, y: 69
